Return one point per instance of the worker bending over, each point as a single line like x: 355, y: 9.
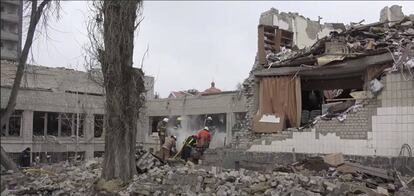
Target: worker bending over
x: 169, y: 147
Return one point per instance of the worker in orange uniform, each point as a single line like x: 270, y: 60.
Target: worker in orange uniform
x: 203, y: 142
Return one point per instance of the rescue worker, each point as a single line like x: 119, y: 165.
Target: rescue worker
x: 209, y: 122
x: 203, y: 142
x: 189, y: 145
x: 25, y: 158
x: 169, y: 147
x: 162, y: 130
x: 178, y: 123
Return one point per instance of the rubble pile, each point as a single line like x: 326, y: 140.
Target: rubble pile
x: 147, y: 160
x: 330, y: 175
x: 308, y: 177
x: 356, y: 41
x: 56, y: 179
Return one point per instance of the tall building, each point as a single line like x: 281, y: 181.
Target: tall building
x: 11, y: 28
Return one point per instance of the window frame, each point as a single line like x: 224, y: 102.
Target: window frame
x: 7, y: 125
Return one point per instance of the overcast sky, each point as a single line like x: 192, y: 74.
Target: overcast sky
x: 193, y: 43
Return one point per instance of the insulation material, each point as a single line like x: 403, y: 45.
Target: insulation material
x: 270, y: 119
x: 268, y: 123
x: 280, y: 96
x: 323, y: 60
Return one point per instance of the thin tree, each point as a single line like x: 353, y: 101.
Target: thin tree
x: 112, y: 43
x: 37, y: 10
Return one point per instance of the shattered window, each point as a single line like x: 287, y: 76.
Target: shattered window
x: 98, y: 125
x: 39, y: 123
x: 241, y: 123
x: 52, y: 123
x: 15, y: 122
x: 66, y: 124
x: 12, y: 126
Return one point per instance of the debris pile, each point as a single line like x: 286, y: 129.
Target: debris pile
x: 357, y: 41
x: 57, y: 179
x: 330, y: 175
x: 314, y: 176
x: 147, y: 160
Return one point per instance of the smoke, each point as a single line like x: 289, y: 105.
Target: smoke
x: 217, y: 140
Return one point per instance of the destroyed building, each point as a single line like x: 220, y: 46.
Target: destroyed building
x: 50, y: 103
x: 325, y: 88
x: 227, y: 108
x: 11, y: 29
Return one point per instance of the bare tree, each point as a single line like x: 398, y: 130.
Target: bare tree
x: 112, y: 44
x: 37, y: 10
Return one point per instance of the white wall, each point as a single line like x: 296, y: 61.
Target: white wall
x: 392, y: 126
x: 306, y: 31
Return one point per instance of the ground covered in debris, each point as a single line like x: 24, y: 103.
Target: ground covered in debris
x: 308, y: 177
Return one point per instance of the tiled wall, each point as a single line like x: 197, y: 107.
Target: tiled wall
x: 391, y: 125
x: 356, y: 126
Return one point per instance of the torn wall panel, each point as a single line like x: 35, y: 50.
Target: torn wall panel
x: 281, y: 95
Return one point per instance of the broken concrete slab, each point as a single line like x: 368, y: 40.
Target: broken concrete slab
x: 335, y: 159
x: 377, y: 172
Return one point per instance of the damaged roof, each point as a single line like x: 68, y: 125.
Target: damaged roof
x: 347, y: 53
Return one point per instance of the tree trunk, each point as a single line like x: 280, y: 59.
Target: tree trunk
x: 123, y: 87
x: 36, y: 13
x: 7, y: 162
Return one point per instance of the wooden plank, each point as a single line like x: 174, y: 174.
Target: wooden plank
x: 382, y: 173
x: 342, y: 99
x: 352, y: 66
x: 260, y: 45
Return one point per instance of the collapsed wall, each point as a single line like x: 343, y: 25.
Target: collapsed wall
x: 380, y: 127
x: 305, y: 31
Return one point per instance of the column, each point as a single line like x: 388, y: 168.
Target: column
x: 88, y: 131
x: 26, y: 130
x: 27, y: 126
x: 229, y: 125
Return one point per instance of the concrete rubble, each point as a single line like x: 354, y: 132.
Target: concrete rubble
x: 311, y: 176
x: 356, y: 41
x: 57, y: 179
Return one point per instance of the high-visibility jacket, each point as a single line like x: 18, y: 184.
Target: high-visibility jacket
x: 203, y: 139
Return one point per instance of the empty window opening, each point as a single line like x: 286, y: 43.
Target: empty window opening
x: 216, y: 124
x: 13, y: 125
x: 57, y: 124
x: 39, y: 122
x: 52, y: 123
x: 240, y: 121
x: 98, y: 125
x: 67, y: 124
x: 98, y: 153
x: 320, y: 95
x: 154, y: 120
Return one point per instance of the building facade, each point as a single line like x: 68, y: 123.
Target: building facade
x: 300, y: 90
x: 11, y: 29
x: 59, y: 113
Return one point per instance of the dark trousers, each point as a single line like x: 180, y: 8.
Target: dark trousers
x: 186, y: 153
